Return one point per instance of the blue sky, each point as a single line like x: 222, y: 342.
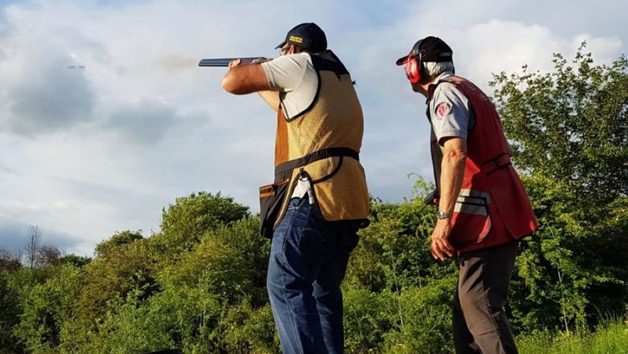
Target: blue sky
x: 85, y: 153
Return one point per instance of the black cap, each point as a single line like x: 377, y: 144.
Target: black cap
x: 431, y: 49
x: 307, y: 36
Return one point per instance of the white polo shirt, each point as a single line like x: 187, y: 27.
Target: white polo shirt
x: 296, y: 80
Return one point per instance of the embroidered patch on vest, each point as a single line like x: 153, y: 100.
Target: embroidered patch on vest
x: 442, y: 109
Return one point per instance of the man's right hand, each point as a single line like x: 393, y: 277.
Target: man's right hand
x: 439, y: 245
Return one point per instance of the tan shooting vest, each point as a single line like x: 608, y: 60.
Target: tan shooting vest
x: 322, y: 144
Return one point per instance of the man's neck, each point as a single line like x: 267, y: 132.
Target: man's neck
x: 424, y: 88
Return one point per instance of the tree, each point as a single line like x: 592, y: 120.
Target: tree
x: 75, y: 260
x: 33, y: 243
x: 571, y: 124
x: 8, y: 261
x: 9, y: 314
x: 569, y: 130
x: 45, y: 309
x: 48, y: 256
x: 189, y: 217
x: 117, y: 240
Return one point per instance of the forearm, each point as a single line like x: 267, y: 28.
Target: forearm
x: 452, y: 173
x: 244, y: 79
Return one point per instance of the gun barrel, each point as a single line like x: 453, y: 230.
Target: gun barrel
x: 224, y: 62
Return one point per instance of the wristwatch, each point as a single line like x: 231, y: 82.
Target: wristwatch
x: 442, y: 215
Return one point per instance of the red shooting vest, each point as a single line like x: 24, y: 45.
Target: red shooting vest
x: 493, y: 207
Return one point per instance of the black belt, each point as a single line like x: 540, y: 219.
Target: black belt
x: 498, y: 162
x: 315, y: 156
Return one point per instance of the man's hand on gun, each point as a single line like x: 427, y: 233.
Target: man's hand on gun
x: 247, y: 61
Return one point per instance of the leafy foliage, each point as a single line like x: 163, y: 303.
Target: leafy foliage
x: 569, y: 128
x: 571, y: 124
x: 10, y: 310
x: 184, y: 222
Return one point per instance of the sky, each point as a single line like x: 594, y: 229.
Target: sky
x: 86, y: 152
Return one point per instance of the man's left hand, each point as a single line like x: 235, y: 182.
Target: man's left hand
x: 440, y: 246
x: 238, y: 62
x: 234, y: 63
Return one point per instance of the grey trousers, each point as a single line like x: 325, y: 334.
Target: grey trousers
x: 479, y: 317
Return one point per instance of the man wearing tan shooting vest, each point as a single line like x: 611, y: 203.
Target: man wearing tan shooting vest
x: 483, y: 209
x: 319, y: 198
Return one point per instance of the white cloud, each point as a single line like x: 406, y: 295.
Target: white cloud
x: 145, y: 120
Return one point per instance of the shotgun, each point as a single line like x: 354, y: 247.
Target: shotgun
x: 224, y: 62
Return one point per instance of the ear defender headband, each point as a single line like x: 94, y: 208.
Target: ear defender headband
x: 414, y: 67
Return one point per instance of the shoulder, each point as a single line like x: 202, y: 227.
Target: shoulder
x: 450, y: 93
x: 446, y: 88
x: 286, y: 73
x: 300, y: 60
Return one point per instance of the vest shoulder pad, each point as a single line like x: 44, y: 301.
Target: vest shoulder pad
x: 336, y: 66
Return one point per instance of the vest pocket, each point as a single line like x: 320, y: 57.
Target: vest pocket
x: 471, y: 221
x: 271, y: 197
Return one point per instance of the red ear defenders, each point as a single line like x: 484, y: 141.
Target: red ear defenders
x: 414, y: 66
x: 413, y: 69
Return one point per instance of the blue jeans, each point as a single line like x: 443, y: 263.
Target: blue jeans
x: 308, y: 260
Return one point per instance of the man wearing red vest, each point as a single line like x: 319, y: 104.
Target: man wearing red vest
x: 483, y: 209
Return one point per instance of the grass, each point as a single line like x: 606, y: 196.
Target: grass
x: 609, y: 338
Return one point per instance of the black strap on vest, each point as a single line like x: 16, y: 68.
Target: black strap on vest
x: 322, y: 63
x: 315, y: 156
x: 498, y: 162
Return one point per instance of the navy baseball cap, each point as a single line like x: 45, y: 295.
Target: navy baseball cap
x: 307, y: 36
x: 430, y: 49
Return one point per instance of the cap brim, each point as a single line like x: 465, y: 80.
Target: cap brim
x: 402, y: 60
x: 281, y: 45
